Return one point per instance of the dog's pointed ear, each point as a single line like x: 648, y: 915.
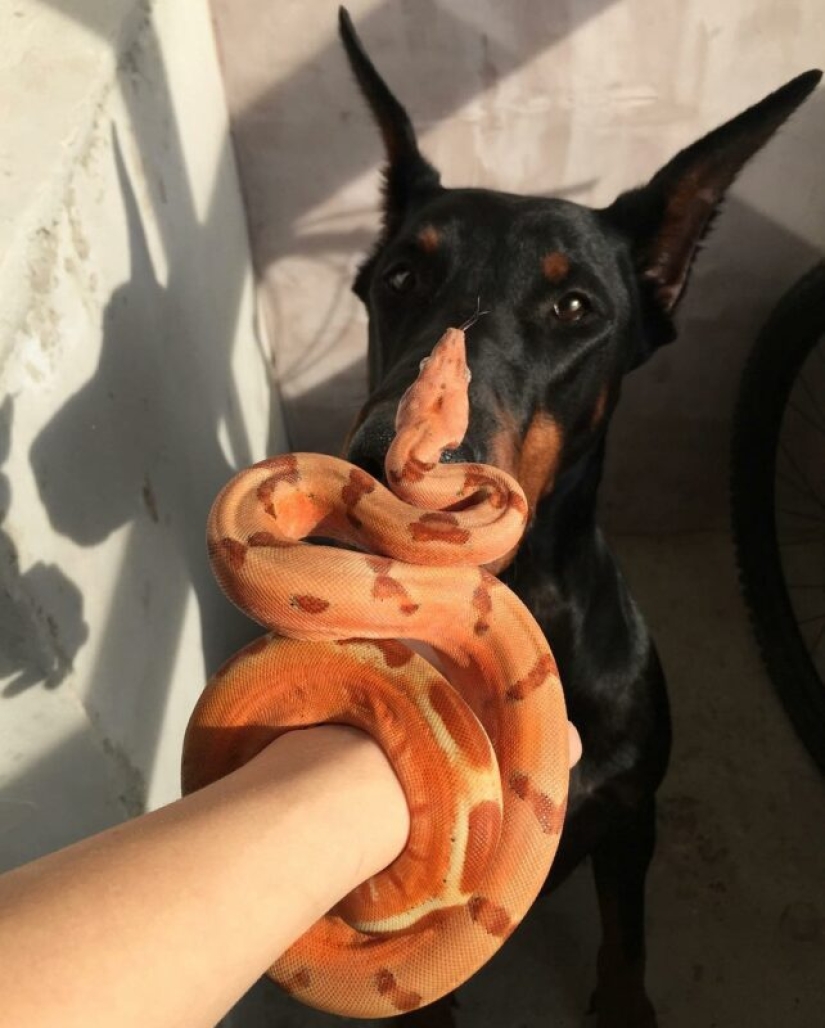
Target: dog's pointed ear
x: 407, y: 176
x: 667, y: 218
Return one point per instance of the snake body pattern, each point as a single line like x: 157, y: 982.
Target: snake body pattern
x: 481, y: 751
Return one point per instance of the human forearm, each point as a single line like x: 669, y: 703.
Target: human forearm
x: 167, y: 919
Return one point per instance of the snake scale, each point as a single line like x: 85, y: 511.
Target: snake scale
x: 481, y: 750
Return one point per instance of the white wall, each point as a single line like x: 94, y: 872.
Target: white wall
x: 582, y: 98
x: 132, y: 384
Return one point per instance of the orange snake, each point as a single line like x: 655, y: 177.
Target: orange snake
x: 482, y: 756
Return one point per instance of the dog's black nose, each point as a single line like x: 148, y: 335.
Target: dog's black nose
x: 463, y: 454
x: 370, y: 443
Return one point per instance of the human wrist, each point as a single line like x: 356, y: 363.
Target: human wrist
x: 339, y: 777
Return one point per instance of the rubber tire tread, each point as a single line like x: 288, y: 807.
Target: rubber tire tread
x: 794, y: 327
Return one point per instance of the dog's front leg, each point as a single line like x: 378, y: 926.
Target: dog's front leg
x: 620, y: 864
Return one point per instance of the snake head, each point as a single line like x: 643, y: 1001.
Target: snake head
x: 434, y: 412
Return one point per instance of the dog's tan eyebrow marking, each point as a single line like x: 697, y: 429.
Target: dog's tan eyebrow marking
x: 429, y: 238
x: 556, y: 266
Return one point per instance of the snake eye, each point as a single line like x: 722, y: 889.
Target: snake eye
x: 400, y: 278
x: 571, y: 308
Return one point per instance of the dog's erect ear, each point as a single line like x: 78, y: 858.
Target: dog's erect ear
x: 668, y: 217
x: 407, y: 175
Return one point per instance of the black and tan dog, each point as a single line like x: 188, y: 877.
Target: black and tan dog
x: 578, y: 297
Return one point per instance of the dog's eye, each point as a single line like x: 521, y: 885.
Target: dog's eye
x: 400, y: 278
x: 571, y: 307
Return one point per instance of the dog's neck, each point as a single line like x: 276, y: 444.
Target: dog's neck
x: 564, y: 533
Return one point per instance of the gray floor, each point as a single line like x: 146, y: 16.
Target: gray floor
x: 737, y: 893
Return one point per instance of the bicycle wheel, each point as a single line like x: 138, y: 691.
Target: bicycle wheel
x: 778, y: 502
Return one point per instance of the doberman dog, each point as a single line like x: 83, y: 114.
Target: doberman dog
x: 577, y: 297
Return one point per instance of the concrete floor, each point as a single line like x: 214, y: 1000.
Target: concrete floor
x: 737, y: 891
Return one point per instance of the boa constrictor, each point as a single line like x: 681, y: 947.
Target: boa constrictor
x: 481, y: 752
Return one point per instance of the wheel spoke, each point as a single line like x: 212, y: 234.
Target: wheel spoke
x: 802, y: 475
x: 816, y: 404
x: 801, y: 488
x: 817, y: 641
x: 812, y: 421
x: 801, y: 514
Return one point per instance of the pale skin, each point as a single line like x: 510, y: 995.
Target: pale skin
x: 166, y: 920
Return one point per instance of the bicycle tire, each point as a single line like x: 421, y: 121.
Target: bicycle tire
x: 792, y: 330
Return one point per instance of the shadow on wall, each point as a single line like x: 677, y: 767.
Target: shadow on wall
x: 155, y: 402
x: 142, y: 410
x: 457, y: 56
x: 26, y: 657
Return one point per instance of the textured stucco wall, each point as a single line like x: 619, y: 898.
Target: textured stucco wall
x: 132, y: 383
x: 582, y: 98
